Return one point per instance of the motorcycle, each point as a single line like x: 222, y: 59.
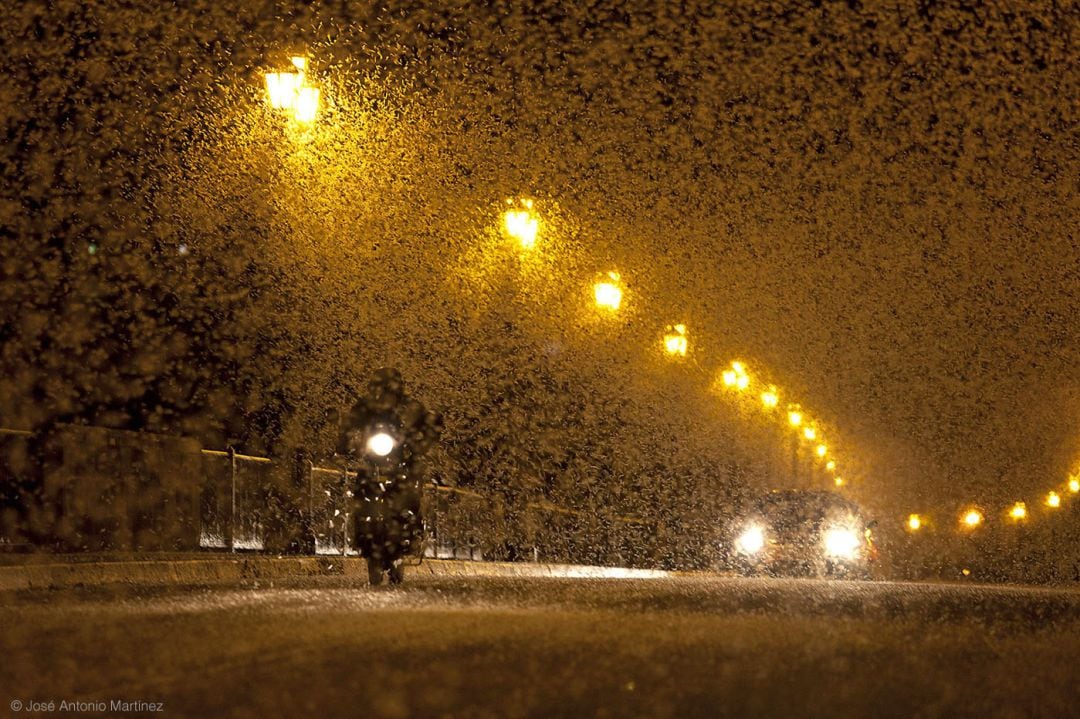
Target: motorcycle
x: 386, y: 435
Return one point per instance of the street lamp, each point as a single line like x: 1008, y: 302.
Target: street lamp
x: 306, y: 108
x: 770, y: 398
x: 281, y: 87
x: 971, y: 518
x: 290, y: 92
x: 794, y: 417
x: 607, y: 293
x: 1074, y: 485
x: 1053, y: 500
x: 737, y: 376
x: 1018, y: 512
x: 830, y: 465
x: 838, y: 481
x: 810, y: 433
x: 914, y: 522
x: 675, y: 341
x: 521, y: 223
x: 821, y: 450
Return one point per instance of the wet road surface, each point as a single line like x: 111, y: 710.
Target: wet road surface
x: 546, y: 647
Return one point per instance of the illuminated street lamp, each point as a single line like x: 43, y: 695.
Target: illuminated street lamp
x: 736, y: 377
x: 830, y: 465
x: 1018, y: 512
x: 521, y: 223
x: 770, y: 398
x: 282, y: 87
x: 821, y: 450
x: 971, y: 518
x: 1074, y: 485
x: 794, y: 417
x: 675, y: 341
x: 1053, y: 500
x: 290, y: 92
x: 607, y: 293
x: 914, y: 522
x: 810, y: 433
x: 838, y: 481
x: 306, y: 108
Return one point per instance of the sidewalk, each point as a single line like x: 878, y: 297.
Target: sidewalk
x: 38, y: 571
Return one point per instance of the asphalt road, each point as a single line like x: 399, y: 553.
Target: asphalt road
x: 543, y: 647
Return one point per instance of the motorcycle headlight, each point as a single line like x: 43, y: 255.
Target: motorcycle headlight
x: 751, y: 541
x: 842, y: 543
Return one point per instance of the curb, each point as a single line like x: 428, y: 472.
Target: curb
x: 246, y: 570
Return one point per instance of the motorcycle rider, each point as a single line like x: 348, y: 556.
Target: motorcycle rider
x: 388, y: 433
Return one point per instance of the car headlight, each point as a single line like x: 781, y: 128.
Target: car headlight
x: 751, y: 541
x: 842, y: 543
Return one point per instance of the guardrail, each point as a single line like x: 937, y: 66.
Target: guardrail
x: 111, y: 486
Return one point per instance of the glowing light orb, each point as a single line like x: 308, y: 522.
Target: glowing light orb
x: 381, y: 444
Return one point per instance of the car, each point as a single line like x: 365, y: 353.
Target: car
x: 794, y: 533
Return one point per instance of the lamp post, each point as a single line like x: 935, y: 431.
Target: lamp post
x: 675, y: 341
x: 290, y: 92
x: 607, y: 292
x: 521, y: 223
x: 795, y: 419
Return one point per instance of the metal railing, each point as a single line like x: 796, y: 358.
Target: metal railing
x: 230, y: 517
x: 243, y: 499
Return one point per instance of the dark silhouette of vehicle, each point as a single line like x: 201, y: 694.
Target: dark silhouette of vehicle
x: 794, y: 533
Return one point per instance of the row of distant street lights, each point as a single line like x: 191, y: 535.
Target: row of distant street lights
x: 972, y: 517
x: 292, y: 93
x: 521, y: 223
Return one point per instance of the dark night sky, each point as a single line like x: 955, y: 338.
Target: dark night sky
x: 879, y: 204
